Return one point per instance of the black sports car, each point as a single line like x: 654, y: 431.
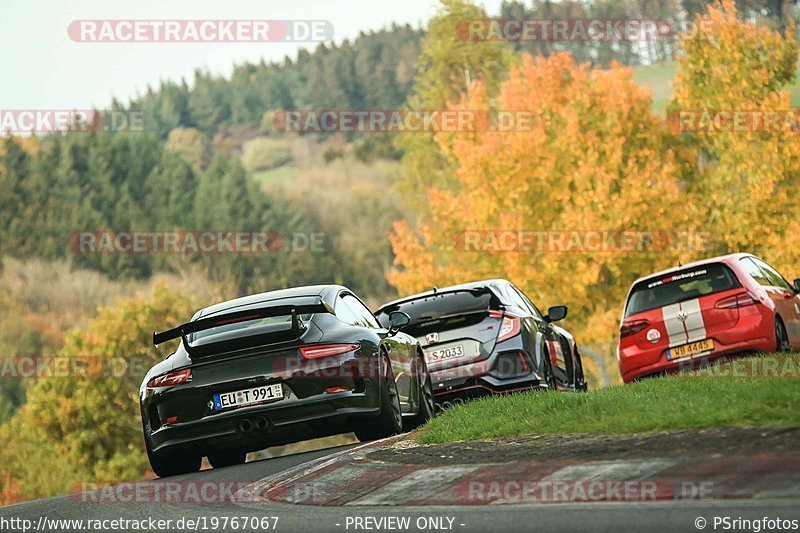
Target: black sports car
x: 276, y: 368
x: 487, y: 337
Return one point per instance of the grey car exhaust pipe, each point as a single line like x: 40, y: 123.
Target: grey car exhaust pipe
x: 245, y: 425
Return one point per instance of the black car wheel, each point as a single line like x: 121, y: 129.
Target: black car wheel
x: 580, y: 379
x: 781, y: 337
x: 390, y: 420
x: 223, y: 459
x: 426, y: 403
x: 549, y: 375
x: 172, y: 463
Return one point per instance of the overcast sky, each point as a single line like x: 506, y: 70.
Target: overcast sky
x: 45, y: 69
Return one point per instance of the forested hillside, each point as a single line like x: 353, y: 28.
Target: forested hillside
x: 387, y: 208
x: 376, y: 70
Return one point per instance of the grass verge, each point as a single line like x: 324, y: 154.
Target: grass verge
x: 756, y: 391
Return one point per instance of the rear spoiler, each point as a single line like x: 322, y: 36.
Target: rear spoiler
x: 247, y: 341
x: 393, y: 306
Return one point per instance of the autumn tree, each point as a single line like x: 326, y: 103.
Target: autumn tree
x: 591, y: 158
x: 448, y: 64
x: 747, y: 176
x: 85, y: 426
x: 191, y: 145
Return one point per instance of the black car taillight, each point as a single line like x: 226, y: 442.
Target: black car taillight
x: 326, y: 350
x: 170, y: 379
x: 633, y: 327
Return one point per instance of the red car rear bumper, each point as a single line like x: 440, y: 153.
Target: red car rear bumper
x: 754, y: 332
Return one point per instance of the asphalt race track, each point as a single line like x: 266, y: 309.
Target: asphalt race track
x: 680, y: 515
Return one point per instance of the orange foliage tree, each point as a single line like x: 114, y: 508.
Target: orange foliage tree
x: 592, y: 158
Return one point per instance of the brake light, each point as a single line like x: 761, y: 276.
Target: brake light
x: 235, y: 320
x: 511, y: 326
x: 633, y: 327
x: 173, y: 378
x: 326, y: 350
x: 734, y: 302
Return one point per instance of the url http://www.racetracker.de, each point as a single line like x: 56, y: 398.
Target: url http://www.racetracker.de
x: 199, y: 523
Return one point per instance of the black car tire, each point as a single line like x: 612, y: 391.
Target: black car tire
x: 426, y: 403
x: 390, y: 420
x: 549, y: 376
x: 781, y: 337
x: 580, y: 379
x: 223, y: 459
x: 172, y: 463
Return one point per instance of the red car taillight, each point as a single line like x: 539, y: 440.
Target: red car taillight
x: 173, y: 378
x: 633, y: 327
x: 734, y: 302
x: 325, y: 350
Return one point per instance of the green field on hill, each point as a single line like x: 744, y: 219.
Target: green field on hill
x: 718, y: 396
x: 659, y: 79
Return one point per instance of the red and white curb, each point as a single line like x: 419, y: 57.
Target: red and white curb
x: 349, y: 478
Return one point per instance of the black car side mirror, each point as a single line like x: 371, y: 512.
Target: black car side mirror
x: 397, y: 321
x: 556, y: 313
x: 796, y: 285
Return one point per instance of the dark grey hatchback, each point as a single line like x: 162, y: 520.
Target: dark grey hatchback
x: 487, y: 337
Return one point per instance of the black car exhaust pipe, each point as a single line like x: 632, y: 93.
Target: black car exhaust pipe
x: 245, y: 425
x: 261, y: 423
x: 446, y: 405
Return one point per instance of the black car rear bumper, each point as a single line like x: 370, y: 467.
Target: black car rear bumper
x: 256, y: 427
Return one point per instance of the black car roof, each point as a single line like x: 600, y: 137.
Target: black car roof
x: 484, y: 284
x: 322, y: 291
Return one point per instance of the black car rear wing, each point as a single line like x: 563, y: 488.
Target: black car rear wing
x: 244, y: 341
x: 494, y: 300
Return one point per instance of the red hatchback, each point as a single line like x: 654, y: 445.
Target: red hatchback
x: 721, y: 306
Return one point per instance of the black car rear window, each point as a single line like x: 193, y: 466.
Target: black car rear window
x: 258, y: 325
x: 440, y: 305
x: 680, y: 286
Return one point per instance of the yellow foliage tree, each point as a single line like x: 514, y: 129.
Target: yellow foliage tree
x: 82, y: 423
x: 747, y: 177
x: 448, y: 63
x: 591, y: 159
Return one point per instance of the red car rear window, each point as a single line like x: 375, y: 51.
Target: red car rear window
x: 680, y: 286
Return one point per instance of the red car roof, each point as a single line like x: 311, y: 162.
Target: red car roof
x: 719, y: 259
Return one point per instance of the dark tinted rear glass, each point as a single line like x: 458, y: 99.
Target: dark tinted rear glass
x: 258, y: 325
x: 680, y: 286
x: 441, y: 305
